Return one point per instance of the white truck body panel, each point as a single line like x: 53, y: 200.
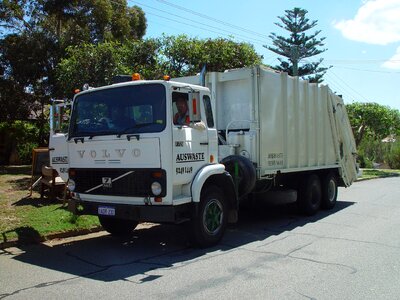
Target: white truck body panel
x: 288, y: 124
x: 115, y: 152
x: 59, y: 158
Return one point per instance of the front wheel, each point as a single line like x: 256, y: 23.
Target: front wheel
x: 210, y: 222
x: 117, y: 227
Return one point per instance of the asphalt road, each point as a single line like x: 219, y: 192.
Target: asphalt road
x: 351, y: 252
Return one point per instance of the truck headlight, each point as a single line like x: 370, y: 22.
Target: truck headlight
x: 156, y: 188
x: 71, y: 185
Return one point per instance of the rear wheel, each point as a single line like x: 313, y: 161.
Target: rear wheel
x: 117, y: 227
x: 309, y: 196
x: 210, y: 222
x: 329, y: 191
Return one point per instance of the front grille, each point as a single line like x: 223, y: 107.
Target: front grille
x: 117, y: 182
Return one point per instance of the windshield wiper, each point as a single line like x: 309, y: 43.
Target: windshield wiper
x: 79, y: 137
x: 93, y: 134
x: 126, y: 130
x: 90, y: 135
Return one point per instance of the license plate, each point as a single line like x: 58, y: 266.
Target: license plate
x: 106, y: 211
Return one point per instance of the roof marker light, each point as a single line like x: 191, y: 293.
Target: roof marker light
x: 135, y: 76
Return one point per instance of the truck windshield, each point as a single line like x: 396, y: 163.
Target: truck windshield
x: 119, y: 110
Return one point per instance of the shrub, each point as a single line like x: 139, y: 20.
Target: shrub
x: 364, y: 161
x: 22, y: 137
x: 24, y: 151
x: 372, y: 150
x: 392, y: 158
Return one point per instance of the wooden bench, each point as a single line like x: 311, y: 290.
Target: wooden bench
x: 51, y: 182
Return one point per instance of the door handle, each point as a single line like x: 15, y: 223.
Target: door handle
x: 204, y: 143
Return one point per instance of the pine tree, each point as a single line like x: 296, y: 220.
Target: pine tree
x: 299, y: 46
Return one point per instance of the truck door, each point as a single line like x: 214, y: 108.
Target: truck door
x: 58, y: 148
x: 190, y: 137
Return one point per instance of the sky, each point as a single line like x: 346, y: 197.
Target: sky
x: 362, y: 37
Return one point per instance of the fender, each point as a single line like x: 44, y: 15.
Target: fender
x: 201, y: 177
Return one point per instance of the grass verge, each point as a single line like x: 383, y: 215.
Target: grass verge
x: 26, y: 218
x: 378, y: 173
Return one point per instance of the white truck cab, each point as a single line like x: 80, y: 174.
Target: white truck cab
x: 128, y: 162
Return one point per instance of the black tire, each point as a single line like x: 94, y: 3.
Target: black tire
x: 117, y: 227
x: 247, y: 172
x: 210, y: 222
x: 309, y: 195
x: 329, y: 191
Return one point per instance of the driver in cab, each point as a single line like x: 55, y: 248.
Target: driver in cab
x: 119, y: 119
x: 182, y: 115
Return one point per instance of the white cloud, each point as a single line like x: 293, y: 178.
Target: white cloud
x: 376, y: 22
x: 394, y: 61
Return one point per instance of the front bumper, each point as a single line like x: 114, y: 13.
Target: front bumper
x: 140, y: 213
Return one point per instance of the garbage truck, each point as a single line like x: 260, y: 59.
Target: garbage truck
x: 246, y: 131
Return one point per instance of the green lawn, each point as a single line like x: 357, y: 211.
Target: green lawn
x: 28, y: 218
x: 378, y: 173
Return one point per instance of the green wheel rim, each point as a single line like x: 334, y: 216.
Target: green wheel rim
x: 213, y: 216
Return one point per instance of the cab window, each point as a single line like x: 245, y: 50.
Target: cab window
x: 208, y: 109
x: 180, y: 108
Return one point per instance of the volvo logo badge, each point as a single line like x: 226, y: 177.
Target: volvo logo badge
x: 107, y: 183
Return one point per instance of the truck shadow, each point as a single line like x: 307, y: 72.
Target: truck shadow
x: 153, y: 250
x: 38, y: 201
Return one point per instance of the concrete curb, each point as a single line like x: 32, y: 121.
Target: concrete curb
x: 60, y: 235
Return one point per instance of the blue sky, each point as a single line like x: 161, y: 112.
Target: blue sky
x: 362, y: 37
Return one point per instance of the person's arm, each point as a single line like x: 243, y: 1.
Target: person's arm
x: 198, y: 125
x: 176, y: 119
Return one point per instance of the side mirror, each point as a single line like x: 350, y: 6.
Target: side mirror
x: 59, y: 116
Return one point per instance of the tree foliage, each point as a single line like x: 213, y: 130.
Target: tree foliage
x: 373, y: 120
x: 76, y: 21
x: 184, y: 56
x: 173, y: 55
x: 27, y: 62
x: 299, y: 46
x: 35, y: 35
x: 96, y: 65
x: 15, y: 104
